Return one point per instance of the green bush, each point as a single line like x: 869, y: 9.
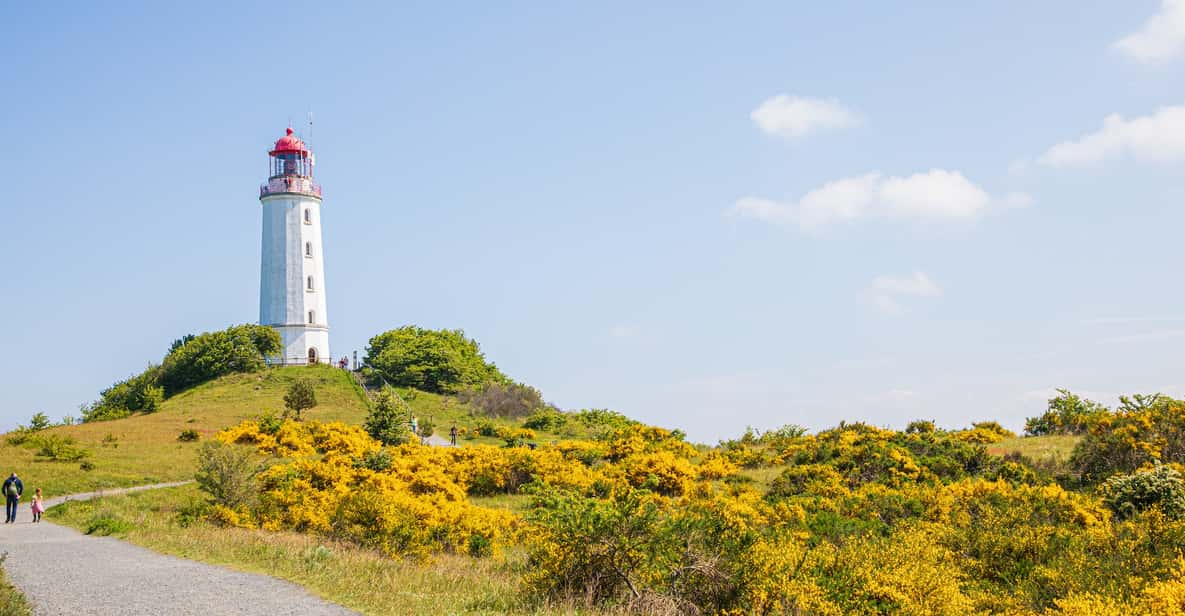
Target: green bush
x: 486, y: 428
x: 270, y: 423
x: 240, y: 348
x: 104, y: 524
x: 188, y: 436
x: 377, y: 460
x: 389, y: 419
x: 227, y: 473
x: 1162, y: 486
x: 547, y: 418
x: 603, y: 421
x: 59, y: 448
x: 440, y: 361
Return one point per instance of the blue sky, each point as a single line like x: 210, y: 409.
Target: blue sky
x: 705, y: 217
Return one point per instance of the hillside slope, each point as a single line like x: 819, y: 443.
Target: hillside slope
x: 144, y: 449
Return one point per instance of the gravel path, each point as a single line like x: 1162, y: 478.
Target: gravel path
x: 63, y: 572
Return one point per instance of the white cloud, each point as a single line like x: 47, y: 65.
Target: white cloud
x: 934, y: 194
x: 791, y: 117
x: 886, y: 290
x: 1161, y: 38
x: 1157, y: 137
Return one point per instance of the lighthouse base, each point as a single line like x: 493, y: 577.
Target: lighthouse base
x: 302, y: 345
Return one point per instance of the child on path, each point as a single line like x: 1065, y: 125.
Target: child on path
x: 38, y: 505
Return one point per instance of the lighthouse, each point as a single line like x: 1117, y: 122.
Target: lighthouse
x: 292, y: 263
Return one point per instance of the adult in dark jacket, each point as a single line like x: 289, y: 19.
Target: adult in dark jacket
x: 13, y: 488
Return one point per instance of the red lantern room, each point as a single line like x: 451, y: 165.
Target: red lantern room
x: 291, y: 157
x: 290, y: 168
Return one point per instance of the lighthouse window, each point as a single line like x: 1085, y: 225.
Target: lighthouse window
x: 308, y: 217
x: 312, y: 317
x: 308, y: 249
x: 310, y: 283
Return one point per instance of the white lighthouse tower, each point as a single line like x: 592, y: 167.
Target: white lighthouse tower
x: 292, y: 270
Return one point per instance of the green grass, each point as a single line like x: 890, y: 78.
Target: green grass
x: 1055, y: 447
x: 144, y: 449
x: 12, y: 602
x: 351, y: 576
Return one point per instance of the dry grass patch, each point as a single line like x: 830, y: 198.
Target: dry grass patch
x: 1053, y: 448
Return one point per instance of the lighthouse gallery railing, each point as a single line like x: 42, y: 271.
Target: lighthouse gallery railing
x: 290, y: 184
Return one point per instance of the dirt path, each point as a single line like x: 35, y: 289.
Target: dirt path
x: 62, y: 571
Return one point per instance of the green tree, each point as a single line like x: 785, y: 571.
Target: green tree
x: 388, y: 419
x: 300, y: 396
x: 440, y: 361
x: 240, y: 348
x: 40, y: 421
x: 1066, y: 413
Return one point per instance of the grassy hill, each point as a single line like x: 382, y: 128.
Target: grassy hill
x: 144, y: 449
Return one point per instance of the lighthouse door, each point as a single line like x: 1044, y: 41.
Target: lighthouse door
x: 312, y: 356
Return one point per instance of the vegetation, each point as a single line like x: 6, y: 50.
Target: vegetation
x: 503, y: 399
x: 191, y: 360
x: 300, y: 397
x: 144, y: 448
x: 12, y: 602
x: 170, y: 521
x: 591, y: 511
x: 439, y: 361
x: 389, y: 419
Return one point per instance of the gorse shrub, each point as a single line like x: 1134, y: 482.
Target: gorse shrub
x: 1143, y: 430
x: 855, y: 520
x: 188, y: 436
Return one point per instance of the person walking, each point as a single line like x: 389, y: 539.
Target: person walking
x: 38, y: 505
x: 13, y: 488
x: 452, y: 435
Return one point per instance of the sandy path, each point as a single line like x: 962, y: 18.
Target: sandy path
x: 62, y: 571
